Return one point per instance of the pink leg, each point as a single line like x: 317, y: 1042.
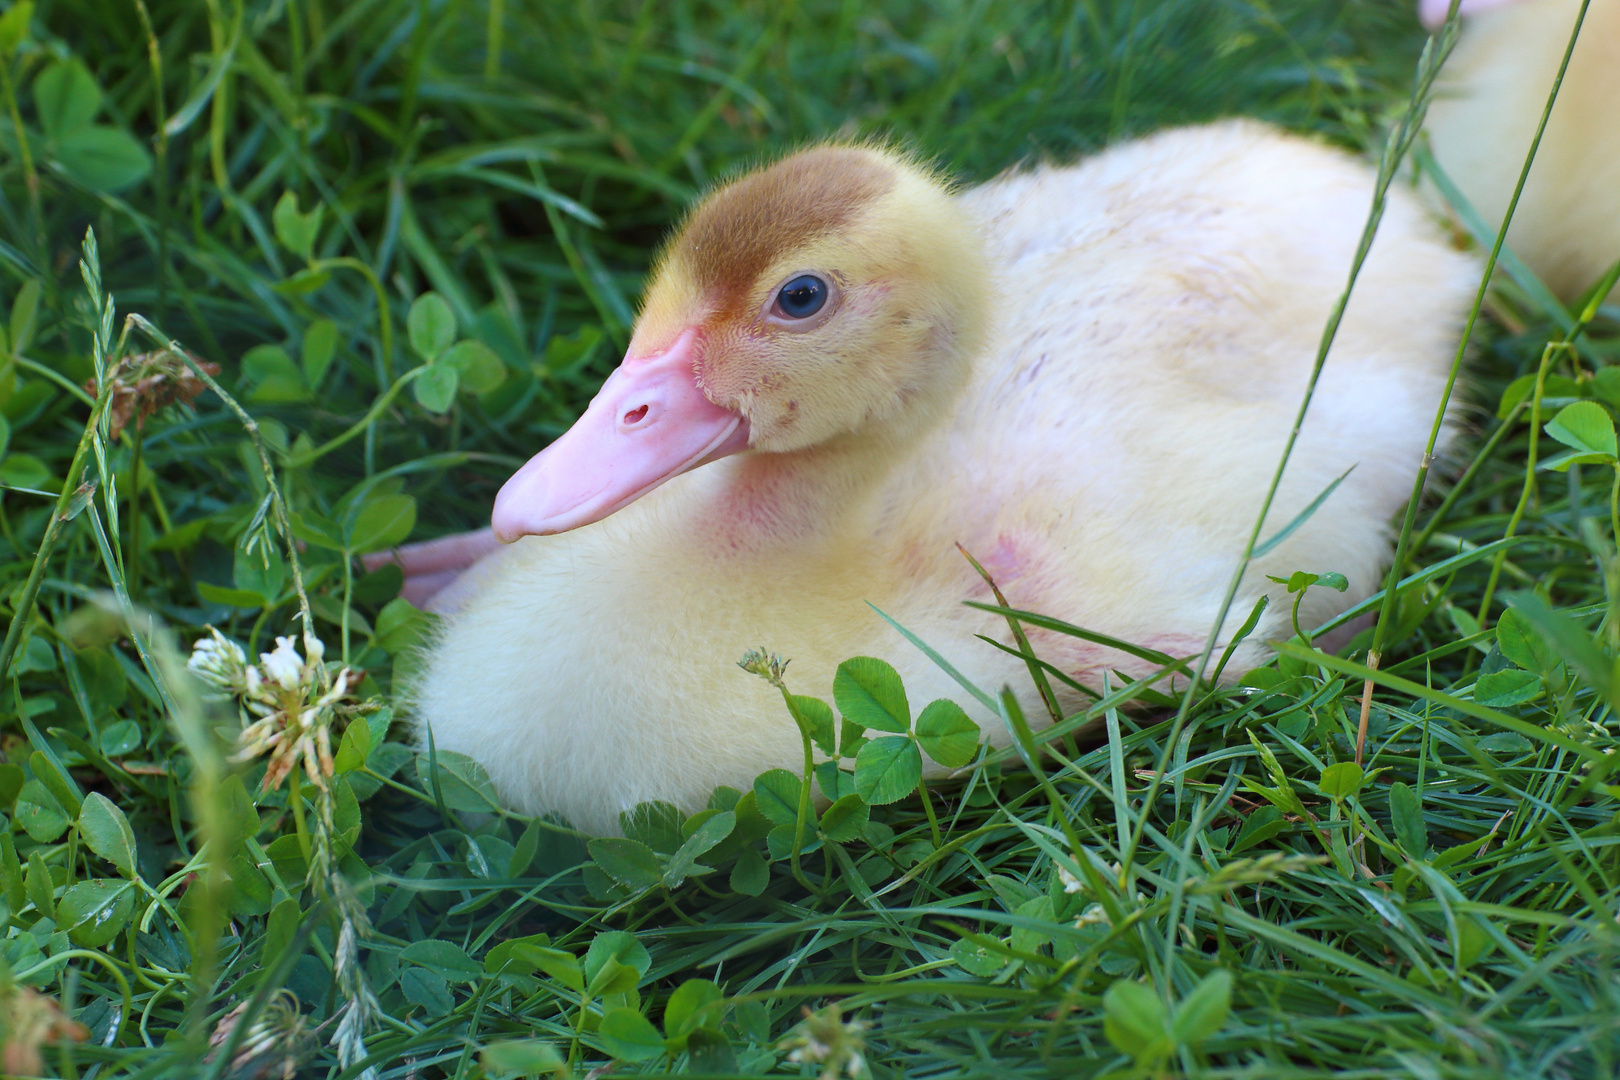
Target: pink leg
x: 420, y: 589
x: 434, y: 564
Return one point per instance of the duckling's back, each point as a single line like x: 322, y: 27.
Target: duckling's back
x: 1160, y: 309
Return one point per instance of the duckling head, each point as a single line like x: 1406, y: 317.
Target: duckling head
x: 837, y: 296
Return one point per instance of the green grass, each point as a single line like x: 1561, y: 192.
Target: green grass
x: 1451, y: 913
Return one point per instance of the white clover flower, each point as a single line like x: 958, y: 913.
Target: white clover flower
x: 274, y: 1045
x: 1071, y: 884
x: 283, y: 665
x: 826, y: 1039
x: 289, y: 705
x: 219, y: 660
x: 291, y: 702
x: 1092, y: 916
x: 767, y: 666
x: 1584, y: 729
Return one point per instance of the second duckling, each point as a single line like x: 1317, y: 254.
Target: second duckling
x: 1490, y: 100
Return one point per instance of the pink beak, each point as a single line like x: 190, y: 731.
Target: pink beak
x: 647, y: 424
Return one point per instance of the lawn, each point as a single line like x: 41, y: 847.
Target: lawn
x: 283, y: 282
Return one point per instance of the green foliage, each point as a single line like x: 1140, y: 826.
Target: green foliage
x: 296, y: 231
x: 1587, y: 428
x: 522, y: 1057
x: 1340, y: 780
x: 946, y: 734
x: 94, y: 912
x: 628, y: 1035
x: 1406, y: 819
x: 383, y: 522
x: 1138, y: 1025
x: 106, y: 832
x: 336, y: 202
x: 887, y: 770
x: 869, y: 693
x: 99, y: 156
x: 447, y: 363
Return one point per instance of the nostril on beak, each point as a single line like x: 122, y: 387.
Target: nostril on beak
x: 635, y: 416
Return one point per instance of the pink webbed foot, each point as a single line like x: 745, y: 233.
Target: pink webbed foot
x: 433, y: 565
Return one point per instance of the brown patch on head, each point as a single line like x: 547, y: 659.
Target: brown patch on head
x: 909, y: 304
x: 739, y: 231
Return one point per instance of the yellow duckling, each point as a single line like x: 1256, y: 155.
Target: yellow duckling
x: 842, y: 367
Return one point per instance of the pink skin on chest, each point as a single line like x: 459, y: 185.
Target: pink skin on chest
x: 1030, y: 581
x: 761, y: 505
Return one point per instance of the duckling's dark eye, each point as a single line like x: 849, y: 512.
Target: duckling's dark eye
x: 802, y: 297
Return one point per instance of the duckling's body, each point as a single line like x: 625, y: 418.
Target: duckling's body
x: 1126, y: 390
x: 1484, y: 116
